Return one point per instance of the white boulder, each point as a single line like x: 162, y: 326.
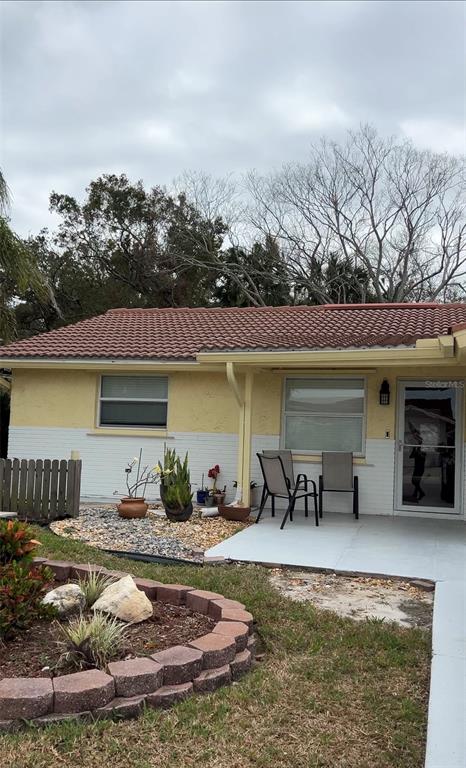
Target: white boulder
x: 67, y: 599
x: 209, y: 512
x: 124, y: 601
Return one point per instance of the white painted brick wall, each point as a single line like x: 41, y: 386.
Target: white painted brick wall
x: 104, y: 458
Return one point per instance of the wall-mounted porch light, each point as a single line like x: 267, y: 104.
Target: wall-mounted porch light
x: 384, y: 394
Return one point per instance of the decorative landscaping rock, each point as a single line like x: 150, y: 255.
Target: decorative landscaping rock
x: 124, y: 601
x: 64, y: 717
x: 101, y: 527
x: 180, y: 664
x: 168, y: 695
x: 236, y: 631
x: 134, y: 677
x: 240, y: 664
x: 66, y: 599
x: 209, y: 512
x: 148, y: 586
x: 10, y: 726
x: 216, y: 607
x: 211, y: 679
x: 217, y: 650
x: 121, y: 707
x: 161, y: 680
x: 82, y: 570
x: 233, y: 614
x: 199, y: 600
x: 252, y: 645
x: 25, y: 697
x: 173, y: 593
x: 60, y: 568
x: 83, y: 691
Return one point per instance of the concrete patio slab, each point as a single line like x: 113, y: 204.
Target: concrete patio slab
x: 390, y: 546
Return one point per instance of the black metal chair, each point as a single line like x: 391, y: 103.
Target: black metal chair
x: 337, y: 477
x: 287, y: 460
x: 278, y: 485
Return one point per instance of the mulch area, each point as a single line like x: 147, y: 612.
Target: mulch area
x: 36, y: 648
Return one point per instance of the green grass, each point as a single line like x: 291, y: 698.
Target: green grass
x: 330, y: 693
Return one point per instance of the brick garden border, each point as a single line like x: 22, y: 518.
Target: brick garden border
x: 158, y: 680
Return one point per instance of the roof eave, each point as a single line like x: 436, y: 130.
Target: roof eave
x: 437, y: 351
x: 105, y: 363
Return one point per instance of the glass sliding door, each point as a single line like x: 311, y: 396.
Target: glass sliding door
x: 429, y: 446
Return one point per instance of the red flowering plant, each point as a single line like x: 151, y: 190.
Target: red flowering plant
x: 213, y: 473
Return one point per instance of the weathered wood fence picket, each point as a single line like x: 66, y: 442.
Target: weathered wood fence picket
x: 40, y: 489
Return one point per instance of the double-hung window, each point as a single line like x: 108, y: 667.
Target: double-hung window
x: 133, y: 401
x: 324, y: 414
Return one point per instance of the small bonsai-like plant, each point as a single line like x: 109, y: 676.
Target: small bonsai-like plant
x: 22, y: 586
x: 145, y: 475
x: 175, y: 480
x: 90, y: 642
x: 93, y: 585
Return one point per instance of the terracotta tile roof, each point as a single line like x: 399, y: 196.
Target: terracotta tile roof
x: 182, y: 333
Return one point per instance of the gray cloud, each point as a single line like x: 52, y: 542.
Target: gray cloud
x: 152, y: 88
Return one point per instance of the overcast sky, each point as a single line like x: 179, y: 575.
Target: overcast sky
x: 152, y: 88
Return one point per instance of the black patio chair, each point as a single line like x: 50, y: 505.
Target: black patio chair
x: 278, y: 485
x: 287, y: 460
x: 337, y: 477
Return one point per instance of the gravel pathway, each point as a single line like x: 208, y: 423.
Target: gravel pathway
x: 101, y: 527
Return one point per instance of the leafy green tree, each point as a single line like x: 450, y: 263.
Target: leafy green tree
x: 258, y: 272
x: 18, y: 270
x: 147, y: 246
x: 337, y: 281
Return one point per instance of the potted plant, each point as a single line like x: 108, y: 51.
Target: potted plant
x: 133, y: 505
x: 218, y: 497
x: 175, y: 487
x: 202, y: 493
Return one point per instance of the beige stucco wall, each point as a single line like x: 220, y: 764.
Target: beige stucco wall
x: 198, y: 401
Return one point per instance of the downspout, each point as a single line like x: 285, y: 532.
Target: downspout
x: 234, y: 385
x: 243, y: 491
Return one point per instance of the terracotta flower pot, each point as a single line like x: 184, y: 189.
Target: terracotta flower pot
x: 239, y: 514
x: 132, y: 507
x: 219, y: 499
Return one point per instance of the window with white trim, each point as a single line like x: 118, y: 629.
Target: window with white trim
x: 324, y: 415
x: 133, y: 401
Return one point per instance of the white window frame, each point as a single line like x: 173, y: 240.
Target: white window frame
x: 315, y: 452
x: 103, y: 425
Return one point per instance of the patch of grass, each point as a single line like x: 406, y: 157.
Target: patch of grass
x: 93, y: 584
x: 331, y: 693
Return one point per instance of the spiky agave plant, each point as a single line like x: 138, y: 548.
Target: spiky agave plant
x: 176, y: 480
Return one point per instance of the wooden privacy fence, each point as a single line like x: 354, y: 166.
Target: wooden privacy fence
x: 40, y: 489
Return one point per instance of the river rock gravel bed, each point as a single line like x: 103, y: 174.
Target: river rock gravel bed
x: 100, y: 526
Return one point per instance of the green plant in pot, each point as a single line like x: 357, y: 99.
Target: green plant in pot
x: 175, y: 487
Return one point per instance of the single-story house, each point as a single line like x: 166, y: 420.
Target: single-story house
x: 385, y: 381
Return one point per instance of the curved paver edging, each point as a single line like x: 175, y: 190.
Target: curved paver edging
x: 159, y: 680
